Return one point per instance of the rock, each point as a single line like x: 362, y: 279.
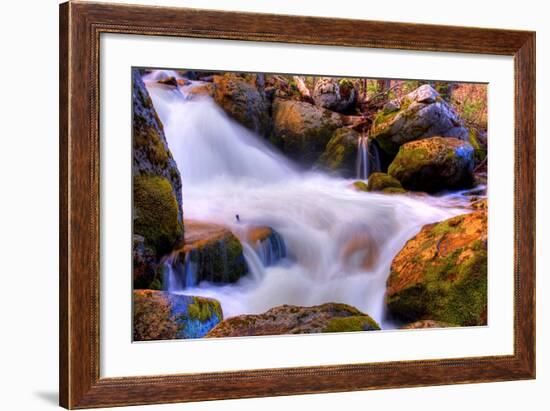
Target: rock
x: 156, y: 213
x: 268, y: 243
x: 427, y: 324
x: 434, y: 164
x: 289, y: 319
x: 162, y: 316
x: 334, y: 94
x: 302, y: 130
x: 441, y: 273
x: 146, y: 270
x: 385, y: 183
x: 202, y: 90
x: 243, y: 101
x: 359, y: 186
x: 340, y: 155
x: 212, y: 251
x: 169, y: 81
x: 417, y: 115
x: 151, y: 155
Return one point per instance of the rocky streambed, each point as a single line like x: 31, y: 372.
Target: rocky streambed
x: 249, y: 218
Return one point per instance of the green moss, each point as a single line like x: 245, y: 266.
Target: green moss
x: 146, y: 138
x: 203, y: 309
x: 360, y: 186
x: 450, y: 291
x: 394, y: 190
x: 479, y: 151
x: 382, y: 181
x: 353, y: 323
x: 341, y: 151
x: 220, y: 260
x: 156, y: 213
x: 408, y: 159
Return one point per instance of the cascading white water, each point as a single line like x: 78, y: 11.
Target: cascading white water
x: 368, y: 159
x: 339, y: 243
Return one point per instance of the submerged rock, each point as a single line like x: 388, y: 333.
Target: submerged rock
x: 434, y: 164
x: 303, y: 130
x: 417, y: 115
x: 210, y: 253
x: 289, y: 319
x: 334, y: 94
x: 384, y: 183
x: 241, y: 98
x: 162, y: 316
x: 340, y: 154
x: 441, y: 273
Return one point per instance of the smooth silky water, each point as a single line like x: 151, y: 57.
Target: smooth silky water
x: 339, y: 243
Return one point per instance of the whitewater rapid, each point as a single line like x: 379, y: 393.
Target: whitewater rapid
x: 339, y: 242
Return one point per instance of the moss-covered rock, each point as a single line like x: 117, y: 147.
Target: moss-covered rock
x: 417, y: 115
x: 334, y: 93
x: 340, y: 155
x: 289, y: 319
x: 211, y: 253
x: 151, y: 155
x: 156, y: 213
x: 359, y: 186
x: 434, y: 164
x: 162, y: 316
x: 303, y: 130
x: 244, y: 101
x: 441, y: 273
x: 385, y: 183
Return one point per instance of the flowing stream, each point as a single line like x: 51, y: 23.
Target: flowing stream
x: 339, y: 243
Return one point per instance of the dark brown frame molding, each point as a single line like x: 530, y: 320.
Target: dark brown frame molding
x: 81, y: 24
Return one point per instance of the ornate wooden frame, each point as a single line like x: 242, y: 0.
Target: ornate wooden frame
x: 80, y: 27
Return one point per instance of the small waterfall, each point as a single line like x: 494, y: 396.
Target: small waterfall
x: 271, y: 250
x: 368, y: 158
x: 362, y: 157
x: 179, y: 275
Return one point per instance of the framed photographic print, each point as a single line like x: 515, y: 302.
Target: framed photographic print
x: 256, y: 205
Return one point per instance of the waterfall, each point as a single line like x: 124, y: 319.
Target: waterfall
x: 335, y: 244
x: 368, y: 158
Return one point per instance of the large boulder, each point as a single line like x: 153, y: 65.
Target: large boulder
x: 163, y: 316
x: 434, y: 164
x: 151, y: 155
x: 157, y: 214
x: 417, y: 115
x: 303, y: 130
x: 441, y: 273
x: 340, y: 155
x: 334, y: 94
x: 290, y: 319
x: 210, y: 253
x: 244, y: 101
